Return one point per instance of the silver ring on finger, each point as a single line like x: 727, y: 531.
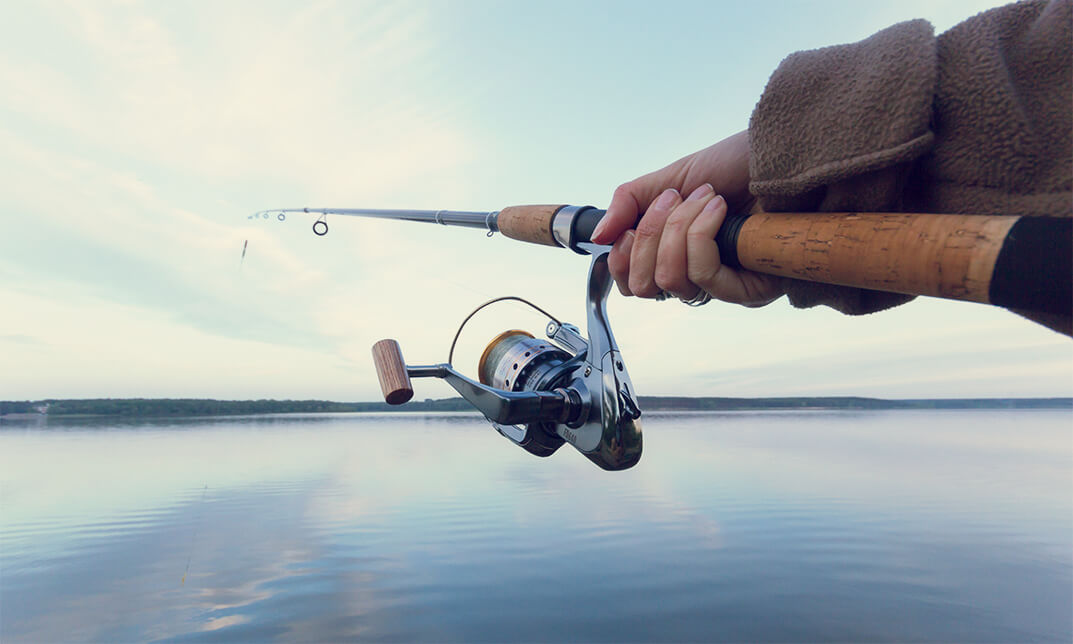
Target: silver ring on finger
x: 700, y: 299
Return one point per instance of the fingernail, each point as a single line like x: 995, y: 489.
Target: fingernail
x: 701, y: 191
x: 714, y: 204
x: 667, y: 198
x: 600, y: 225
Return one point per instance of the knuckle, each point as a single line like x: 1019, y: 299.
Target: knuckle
x: 649, y: 226
x: 696, y: 233
x: 677, y: 222
x: 704, y: 277
x: 642, y: 286
x: 669, y: 280
x: 625, y: 190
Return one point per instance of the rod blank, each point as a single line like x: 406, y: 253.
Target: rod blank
x: 465, y: 218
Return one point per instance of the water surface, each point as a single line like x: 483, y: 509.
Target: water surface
x: 744, y: 526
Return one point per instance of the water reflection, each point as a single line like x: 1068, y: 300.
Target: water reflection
x: 739, y: 526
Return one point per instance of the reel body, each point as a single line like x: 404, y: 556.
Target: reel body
x: 541, y: 393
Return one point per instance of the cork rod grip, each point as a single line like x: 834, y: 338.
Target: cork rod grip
x: 528, y: 223
x: 948, y: 256
x: 391, y: 370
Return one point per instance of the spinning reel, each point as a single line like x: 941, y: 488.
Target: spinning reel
x: 541, y: 393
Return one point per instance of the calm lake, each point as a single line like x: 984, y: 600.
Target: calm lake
x: 743, y: 526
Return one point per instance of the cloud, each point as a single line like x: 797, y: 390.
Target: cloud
x: 322, y: 96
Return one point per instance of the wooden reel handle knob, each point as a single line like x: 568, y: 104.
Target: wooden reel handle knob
x: 391, y: 370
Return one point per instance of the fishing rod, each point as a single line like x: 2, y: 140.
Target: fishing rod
x: 1009, y: 261
x: 575, y: 388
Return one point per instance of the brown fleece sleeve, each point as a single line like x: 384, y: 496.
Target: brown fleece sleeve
x: 975, y: 121
x: 834, y: 113
x: 852, y: 117
x: 1004, y: 115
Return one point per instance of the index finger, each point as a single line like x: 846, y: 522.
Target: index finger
x: 627, y: 205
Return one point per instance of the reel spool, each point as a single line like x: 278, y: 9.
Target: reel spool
x: 516, y: 361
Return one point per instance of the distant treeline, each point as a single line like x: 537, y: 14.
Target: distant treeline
x: 206, y: 407
x: 678, y: 403
x: 209, y: 407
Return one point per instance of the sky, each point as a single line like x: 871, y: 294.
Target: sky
x: 136, y: 139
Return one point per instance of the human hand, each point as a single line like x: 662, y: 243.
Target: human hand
x: 673, y: 248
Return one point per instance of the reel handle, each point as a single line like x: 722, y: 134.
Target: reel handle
x: 391, y: 371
